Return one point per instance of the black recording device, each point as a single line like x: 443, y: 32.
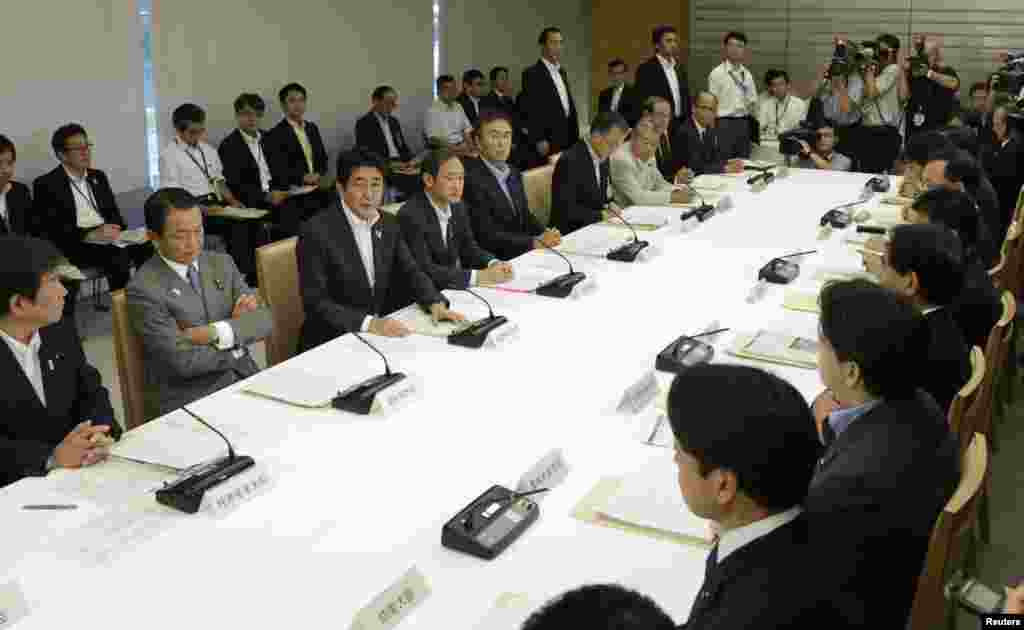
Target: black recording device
x: 562, y: 286
x: 185, y: 494
x: 1010, y: 77
x: 491, y: 522
x: 474, y: 335
x: 871, y: 229
x: 878, y: 184
x: 628, y: 251
x: 974, y: 596
x: 781, y: 270
x: 686, y: 352
x: 701, y: 212
x: 919, y: 64
x: 849, y: 57
x: 836, y: 218
x: 789, y: 142
x: 359, y: 397
x: 766, y: 177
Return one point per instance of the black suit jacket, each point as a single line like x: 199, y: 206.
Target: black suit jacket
x: 499, y: 226
x: 701, y: 157
x: 472, y: 111
x: 29, y: 432
x: 978, y: 307
x: 370, y: 136
x: 20, y: 215
x: 949, y: 365
x: 775, y: 581
x: 577, y: 199
x: 540, y: 109
x: 506, y: 104
x: 285, y: 158
x: 626, y: 103
x: 650, y: 81
x: 241, y: 171
x: 332, y: 279
x: 874, y: 498
x: 54, y: 201
x: 421, y: 230
x: 1004, y: 166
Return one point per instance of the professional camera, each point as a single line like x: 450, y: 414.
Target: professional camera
x: 1011, y: 76
x: 789, y: 142
x: 919, y: 64
x: 849, y: 58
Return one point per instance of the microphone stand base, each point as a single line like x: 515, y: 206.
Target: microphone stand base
x: 186, y: 495
x: 474, y: 335
x: 562, y: 286
x: 627, y: 252
x: 359, y: 398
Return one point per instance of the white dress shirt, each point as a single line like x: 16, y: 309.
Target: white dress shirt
x: 673, y: 83
x: 86, y: 213
x: 444, y: 217
x: 597, y: 166
x: 779, y: 116
x: 382, y: 120
x: 364, y: 233
x: 3, y: 204
x: 225, y: 333
x: 616, y: 97
x: 734, y: 87
x: 448, y: 122
x: 190, y: 168
x: 257, y: 154
x: 735, y: 539
x: 556, y: 76
x: 27, y: 357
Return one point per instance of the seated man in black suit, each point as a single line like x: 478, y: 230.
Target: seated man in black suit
x: 244, y: 162
x: 495, y: 196
x: 600, y: 607
x: 925, y: 263
x: 890, y: 463
x: 1002, y: 157
x: 618, y: 96
x: 700, y: 147
x: 76, y: 210
x: 349, y: 256
x: 473, y: 87
x: 55, y: 412
x: 378, y: 131
x: 957, y: 170
x: 579, y: 186
x: 16, y: 215
x: 437, y: 230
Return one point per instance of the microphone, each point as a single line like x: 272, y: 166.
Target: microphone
x: 766, y: 177
x: 628, y: 251
x: 701, y: 212
x: 359, y: 397
x: 562, y: 286
x: 475, y: 334
x: 186, y: 493
x: 778, y: 270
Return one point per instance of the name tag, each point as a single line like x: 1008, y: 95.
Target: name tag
x: 639, y: 394
x: 550, y: 471
x: 394, y: 604
x: 650, y: 252
x: 13, y: 606
x: 502, y: 335
x: 585, y: 288
x: 226, y: 497
x: 396, y: 396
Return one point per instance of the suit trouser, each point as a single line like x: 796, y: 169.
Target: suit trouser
x: 735, y: 137
x: 115, y: 262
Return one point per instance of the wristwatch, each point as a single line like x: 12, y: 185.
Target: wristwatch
x: 214, y: 335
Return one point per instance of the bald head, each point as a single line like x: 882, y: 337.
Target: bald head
x: 705, y: 109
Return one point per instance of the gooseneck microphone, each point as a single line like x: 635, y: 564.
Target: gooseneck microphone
x: 562, y: 286
x: 359, y: 397
x: 628, y: 251
x: 701, y: 212
x: 474, y: 335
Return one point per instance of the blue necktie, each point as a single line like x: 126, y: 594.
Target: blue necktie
x: 193, y: 279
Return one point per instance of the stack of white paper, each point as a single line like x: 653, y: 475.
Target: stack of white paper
x: 295, y: 386
x: 594, y: 241
x: 176, y: 440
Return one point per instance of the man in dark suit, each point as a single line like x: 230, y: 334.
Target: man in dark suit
x: 246, y: 171
x: 1002, y: 157
x: 699, y: 144
x: 545, y: 101
x: 500, y: 98
x: 618, y: 96
x: 55, y: 412
x: 378, y: 131
x: 958, y: 171
x: 662, y: 75
x: 349, y: 256
x: 436, y: 228
x: 16, y: 215
x: 579, y: 186
x: 495, y: 196
x: 76, y: 210
x: 473, y: 88
x: 600, y: 607
x: 297, y: 157
x: 748, y: 472
x: 890, y: 462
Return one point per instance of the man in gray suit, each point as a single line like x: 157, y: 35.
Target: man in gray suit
x: 192, y: 309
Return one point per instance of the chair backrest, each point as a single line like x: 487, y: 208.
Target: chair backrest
x: 965, y: 397
x: 537, y: 182
x: 954, y: 522
x: 130, y: 366
x: 978, y: 418
x: 1007, y: 271
x: 278, y: 272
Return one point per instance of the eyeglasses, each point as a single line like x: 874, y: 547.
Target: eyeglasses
x: 80, y: 148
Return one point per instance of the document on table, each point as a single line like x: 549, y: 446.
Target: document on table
x: 137, y: 236
x: 656, y: 216
x: 295, y: 386
x: 801, y: 300
x: 711, y: 198
x: 421, y: 323
x: 711, y: 182
x: 526, y: 278
x: 594, y: 241
x: 242, y: 214
x: 886, y: 216
x: 776, y: 347
x: 177, y: 441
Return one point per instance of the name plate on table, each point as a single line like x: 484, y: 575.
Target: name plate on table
x: 226, y: 497
x: 395, y: 396
x: 502, y: 335
x: 550, y: 471
x: 639, y: 394
x: 13, y: 606
x: 394, y: 604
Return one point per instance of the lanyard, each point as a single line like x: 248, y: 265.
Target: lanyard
x: 88, y: 197
x: 740, y: 82
x: 205, y: 168
x: 778, y: 116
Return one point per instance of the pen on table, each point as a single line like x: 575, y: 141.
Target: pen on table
x: 865, y: 250
x: 50, y: 506
x: 657, y: 426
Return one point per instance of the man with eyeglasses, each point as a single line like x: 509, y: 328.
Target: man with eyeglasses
x: 77, y: 211
x: 822, y: 155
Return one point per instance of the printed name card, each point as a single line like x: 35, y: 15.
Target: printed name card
x: 550, y: 471
x: 502, y: 335
x: 639, y: 394
x: 226, y: 497
x: 13, y: 606
x: 394, y: 604
x: 396, y: 396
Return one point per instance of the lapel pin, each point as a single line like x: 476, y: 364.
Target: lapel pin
x: 220, y: 284
x: 50, y: 362
x: 176, y: 292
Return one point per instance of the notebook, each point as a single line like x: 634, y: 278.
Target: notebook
x: 295, y: 386
x: 776, y: 347
x: 804, y: 301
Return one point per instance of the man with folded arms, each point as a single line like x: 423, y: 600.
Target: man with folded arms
x: 55, y: 412
x: 351, y: 256
x: 436, y: 228
x: 635, y: 177
x: 191, y: 308
x: 495, y: 196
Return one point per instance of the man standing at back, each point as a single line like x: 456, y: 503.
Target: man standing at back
x: 545, y: 101
x: 662, y: 75
x: 734, y: 87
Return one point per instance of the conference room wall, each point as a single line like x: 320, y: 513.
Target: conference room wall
x: 79, y: 62
x: 487, y: 33
x: 209, y: 52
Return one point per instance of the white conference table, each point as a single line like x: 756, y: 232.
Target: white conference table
x: 359, y: 499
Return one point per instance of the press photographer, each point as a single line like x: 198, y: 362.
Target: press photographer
x: 932, y: 87
x: 878, y: 144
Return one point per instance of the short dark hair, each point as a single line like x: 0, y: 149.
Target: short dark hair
x: 543, y: 38
x: 606, y: 121
x: 160, y: 204
x: 472, y: 75
x: 739, y: 36
x: 63, y: 134
x: 283, y: 93
x: 495, y: 71
x: 488, y: 116
x: 921, y: 147
x: 614, y: 63
x: 349, y: 161
x: 6, y: 146
x: 762, y: 430
x: 600, y: 607
x: 185, y: 115
x: 979, y: 86
x: 889, y: 41
x: 650, y: 102
x: 23, y: 261
x: 775, y: 73
x: 954, y: 209
x: 879, y: 330
x: 443, y: 80
x: 381, y: 91
x: 251, y: 101
x: 935, y: 254
x: 961, y: 167
x: 661, y: 31
x: 435, y: 159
